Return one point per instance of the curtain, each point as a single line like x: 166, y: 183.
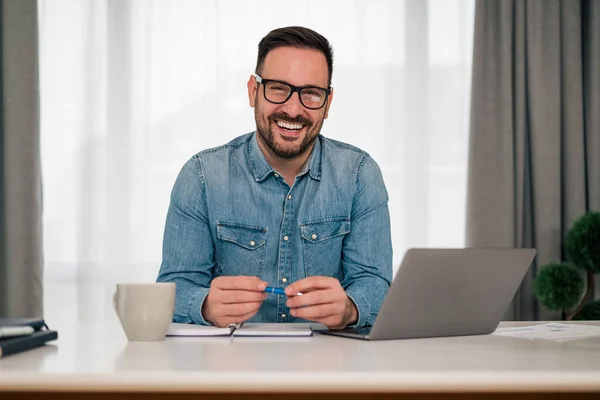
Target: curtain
x: 535, y: 129
x: 132, y: 89
x: 21, y: 271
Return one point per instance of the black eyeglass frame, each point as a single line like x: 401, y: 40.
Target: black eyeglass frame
x: 293, y: 90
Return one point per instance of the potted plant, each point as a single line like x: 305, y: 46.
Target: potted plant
x: 568, y: 286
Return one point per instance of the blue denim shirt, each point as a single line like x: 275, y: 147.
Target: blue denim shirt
x: 230, y: 213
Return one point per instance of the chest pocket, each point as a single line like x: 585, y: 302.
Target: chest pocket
x: 241, y: 249
x: 322, y: 242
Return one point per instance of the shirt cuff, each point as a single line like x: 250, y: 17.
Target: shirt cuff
x: 195, y: 307
x: 362, y: 309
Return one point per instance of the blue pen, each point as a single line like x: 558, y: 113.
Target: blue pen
x: 279, y: 291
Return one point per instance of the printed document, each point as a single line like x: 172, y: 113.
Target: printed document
x: 552, y: 331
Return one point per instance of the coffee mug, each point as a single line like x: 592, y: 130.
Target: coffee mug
x: 145, y: 310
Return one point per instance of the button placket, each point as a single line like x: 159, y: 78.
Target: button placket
x: 284, y: 253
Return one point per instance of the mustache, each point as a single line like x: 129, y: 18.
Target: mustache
x: 285, y: 117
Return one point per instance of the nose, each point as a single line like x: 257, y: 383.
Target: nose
x: 293, y: 107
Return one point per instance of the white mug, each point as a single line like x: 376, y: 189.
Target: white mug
x: 145, y: 310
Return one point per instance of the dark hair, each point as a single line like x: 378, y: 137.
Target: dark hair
x: 295, y: 36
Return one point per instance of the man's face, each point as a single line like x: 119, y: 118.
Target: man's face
x: 289, y: 130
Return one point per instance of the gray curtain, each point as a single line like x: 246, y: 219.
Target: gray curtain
x: 534, y: 157
x: 21, y: 272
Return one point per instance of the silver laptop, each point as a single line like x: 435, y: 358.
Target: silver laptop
x: 447, y: 292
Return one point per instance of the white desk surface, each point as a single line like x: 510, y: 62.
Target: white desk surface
x: 98, y: 357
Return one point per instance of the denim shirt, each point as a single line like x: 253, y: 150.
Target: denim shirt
x: 231, y: 214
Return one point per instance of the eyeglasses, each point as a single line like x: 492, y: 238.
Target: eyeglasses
x: 278, y: 92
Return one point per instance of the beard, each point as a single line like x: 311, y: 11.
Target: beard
x: 288, y: 152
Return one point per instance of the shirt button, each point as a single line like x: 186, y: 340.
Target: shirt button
x: 314, y: 236
x: 286, y: 238
x: 289, y: 196
x: 284, y: 280
x: 283, y: 315
x: 252, y: 243
x: 276, y: 175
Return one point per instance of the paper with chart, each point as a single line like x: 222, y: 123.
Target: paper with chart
x: 551, y: 331
x: 246, y: 329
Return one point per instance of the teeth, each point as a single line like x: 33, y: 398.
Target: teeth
x: 288, y: 125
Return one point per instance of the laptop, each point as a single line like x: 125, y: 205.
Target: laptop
x: 447, y: 292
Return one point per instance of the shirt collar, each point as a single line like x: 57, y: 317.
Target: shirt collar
x: 314, y: 162
x: 261, y: 168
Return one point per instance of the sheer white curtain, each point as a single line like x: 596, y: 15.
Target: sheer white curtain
x: 130, y: 89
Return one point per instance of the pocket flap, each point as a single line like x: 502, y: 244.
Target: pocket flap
x: 317, y: 231
x: 249, y: 237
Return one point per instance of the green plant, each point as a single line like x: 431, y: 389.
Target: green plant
x: 560, y: 286
x: 582, y: 242
x: 590, y: 311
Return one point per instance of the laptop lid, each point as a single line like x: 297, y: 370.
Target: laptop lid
x: 449, y: 292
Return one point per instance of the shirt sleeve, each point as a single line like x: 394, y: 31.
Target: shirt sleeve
x: 367, y: 249
x: 186, y: 231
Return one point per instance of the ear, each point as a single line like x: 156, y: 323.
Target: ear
x: 328, y: 104
x: 252, y: 85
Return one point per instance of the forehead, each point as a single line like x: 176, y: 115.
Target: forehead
x: 296, y: 66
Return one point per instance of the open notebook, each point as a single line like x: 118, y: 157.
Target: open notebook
x: 245, y: 329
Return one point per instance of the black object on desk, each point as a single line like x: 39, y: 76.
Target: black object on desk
x: 16, y: 344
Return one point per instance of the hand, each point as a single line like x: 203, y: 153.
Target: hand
x: 233, y: 299
x: 323, y: 300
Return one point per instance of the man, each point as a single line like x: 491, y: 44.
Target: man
x: 282, y: 206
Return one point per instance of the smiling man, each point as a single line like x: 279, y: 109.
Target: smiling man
x: 283, y: 207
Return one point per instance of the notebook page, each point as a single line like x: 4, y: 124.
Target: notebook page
x: 274, y: 329
x: 177, y: 329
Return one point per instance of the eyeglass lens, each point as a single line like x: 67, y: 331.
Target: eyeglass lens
x: 278, y: 92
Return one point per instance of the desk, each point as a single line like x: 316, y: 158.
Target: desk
x: 98, y: 359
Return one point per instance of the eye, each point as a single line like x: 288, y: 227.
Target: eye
x: 279, y: 87
x: 312, y: 92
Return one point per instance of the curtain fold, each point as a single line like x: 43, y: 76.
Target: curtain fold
x: 534, y: 149
x: 21, y: 273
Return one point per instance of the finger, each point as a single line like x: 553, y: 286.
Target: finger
x: 246, y: 317
x: 319, y: 296
x: 315, y: 313
x: 235, y: 310
x: 251, y: 283
x: 311, y: 283
x: 240, y: 296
